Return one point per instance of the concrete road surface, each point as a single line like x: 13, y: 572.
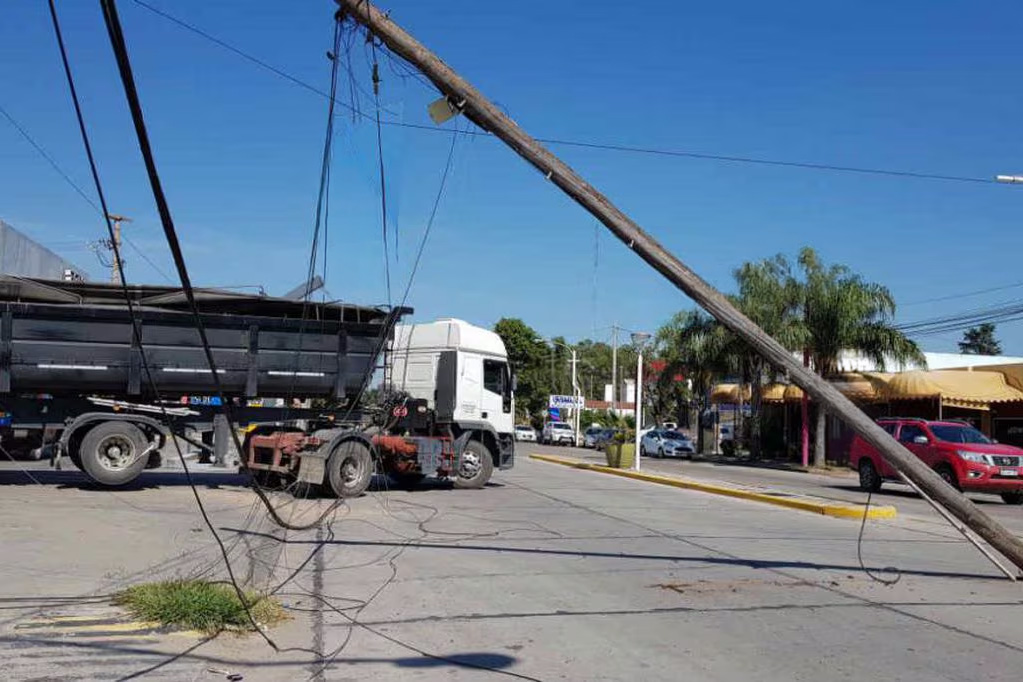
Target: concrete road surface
x: 839, y: 484
x: 549, y: 574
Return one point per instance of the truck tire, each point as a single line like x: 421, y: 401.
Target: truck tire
x: 870, y: 480
x: 111, y: 453
x: 1015, y: 497
x: 350, y: 468
x: 475, y: 466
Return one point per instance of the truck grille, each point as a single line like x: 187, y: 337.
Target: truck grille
x: 1005, y: 460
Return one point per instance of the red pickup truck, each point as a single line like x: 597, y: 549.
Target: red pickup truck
x: 963, y: 456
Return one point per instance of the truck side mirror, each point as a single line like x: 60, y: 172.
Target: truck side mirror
x: 920, y: 440
x: 515, y: 382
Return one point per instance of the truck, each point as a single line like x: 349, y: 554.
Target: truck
x: 86, y: 379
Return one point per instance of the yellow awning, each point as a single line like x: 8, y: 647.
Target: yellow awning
x: 793, y: 394
x: 728, y: 393
x: 773, y: 393
x: 862, y: 386
x: 955, y: 388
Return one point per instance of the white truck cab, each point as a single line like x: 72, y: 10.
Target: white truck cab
x: 462, y: 371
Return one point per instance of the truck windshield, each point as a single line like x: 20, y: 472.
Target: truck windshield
x: 954, y: 433
x: 560, y: 426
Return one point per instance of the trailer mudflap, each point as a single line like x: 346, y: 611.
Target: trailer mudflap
x: 312, y: 467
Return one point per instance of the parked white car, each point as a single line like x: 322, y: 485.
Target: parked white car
x: 558, y: 433
x: 525, y: 433
x: 665, y: 443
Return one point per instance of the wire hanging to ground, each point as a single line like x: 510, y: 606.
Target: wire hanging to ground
x: 136, y: 331
x: 134, y: 104
x: 380, y: 163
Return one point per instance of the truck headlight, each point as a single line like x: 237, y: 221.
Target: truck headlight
x: 972, y: 456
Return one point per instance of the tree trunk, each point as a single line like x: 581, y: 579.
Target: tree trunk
x: 756, y: 417
x: 820, y: 438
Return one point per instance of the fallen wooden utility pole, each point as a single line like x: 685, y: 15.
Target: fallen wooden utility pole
x: 466, y: 99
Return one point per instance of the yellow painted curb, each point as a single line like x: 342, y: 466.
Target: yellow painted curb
x: 800, y: 502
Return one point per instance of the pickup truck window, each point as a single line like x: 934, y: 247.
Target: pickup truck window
x: 909, y: 432
x: 958, y: 434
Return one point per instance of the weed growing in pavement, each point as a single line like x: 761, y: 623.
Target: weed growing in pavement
x: 199, y: 605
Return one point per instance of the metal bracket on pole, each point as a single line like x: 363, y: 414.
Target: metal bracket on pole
x: 955, y: 523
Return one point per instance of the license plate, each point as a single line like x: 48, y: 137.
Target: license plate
x: 1009, y: 472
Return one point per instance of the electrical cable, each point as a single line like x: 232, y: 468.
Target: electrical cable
x: 131, y: 93
x: 42, y: 152
x: 111, y: 17
x: 859, y: 551
x: 77, y: 188
x: 380, y: 163
x: 582, y: 144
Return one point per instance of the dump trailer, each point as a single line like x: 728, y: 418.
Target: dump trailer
x: 75, y: 383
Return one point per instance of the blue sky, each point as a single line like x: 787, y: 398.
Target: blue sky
x: 918, y: 86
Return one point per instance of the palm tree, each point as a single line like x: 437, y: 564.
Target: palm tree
x: 770, y: 296
x: 694, y: 344
x: 843, y: 312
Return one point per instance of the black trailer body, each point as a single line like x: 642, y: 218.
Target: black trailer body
x: 73, y: 381
x: 67, y: 338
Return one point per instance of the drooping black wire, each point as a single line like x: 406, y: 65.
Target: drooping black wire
x: 49, y: 159
x: 138, y: 120
x: 576, y: 143
x: 429, y: 223
x: 136, y: 330
x: 859, y: 551
x: 380, y: 163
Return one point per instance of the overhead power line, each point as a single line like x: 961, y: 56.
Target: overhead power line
x: 967, y: 294
x: 603, y: 146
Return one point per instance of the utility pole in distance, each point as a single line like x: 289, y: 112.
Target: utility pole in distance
x: 464, y: 98
x: 115, y: 269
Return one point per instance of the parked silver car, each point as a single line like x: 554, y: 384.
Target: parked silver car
x: 664, y: 443
x: 591, y: 436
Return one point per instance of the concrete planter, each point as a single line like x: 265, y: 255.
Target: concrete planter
x: 620, y: 455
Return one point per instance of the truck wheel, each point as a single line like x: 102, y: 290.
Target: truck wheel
x: 870, y: 481
x: 1015, y: 497
x: 475, y: 467
x: 350, y: 469
x: 111, y: 453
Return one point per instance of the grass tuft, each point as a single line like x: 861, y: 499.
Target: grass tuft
x: 198, y: 605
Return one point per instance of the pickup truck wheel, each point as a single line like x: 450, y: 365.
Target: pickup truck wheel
x: 475, y: 466
x: 1015, y: 497
x: 350, y: 469
x: 111, y: 453
x: 870, y: 480
x: 948, y: 475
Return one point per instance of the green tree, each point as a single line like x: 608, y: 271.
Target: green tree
x: 528, y: 357
x: 694, y: 344
x: 843, y: 312
x: 770, y: 296
x: 980, y: 341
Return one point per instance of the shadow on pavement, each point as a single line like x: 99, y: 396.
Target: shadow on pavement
x: 147, y: 481
x: 678, y: 558
x: 910, y: 494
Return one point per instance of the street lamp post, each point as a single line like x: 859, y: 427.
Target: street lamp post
x: 576, y: 393
x: 638, y: 338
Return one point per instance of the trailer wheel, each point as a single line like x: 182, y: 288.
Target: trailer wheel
x: 475, y: 466
x: 111, y: 453
x: 350, y: 468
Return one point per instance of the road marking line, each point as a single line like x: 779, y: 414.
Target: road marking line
x: 778, y: 498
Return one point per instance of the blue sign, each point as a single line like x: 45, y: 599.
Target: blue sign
x: 554, y: 412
